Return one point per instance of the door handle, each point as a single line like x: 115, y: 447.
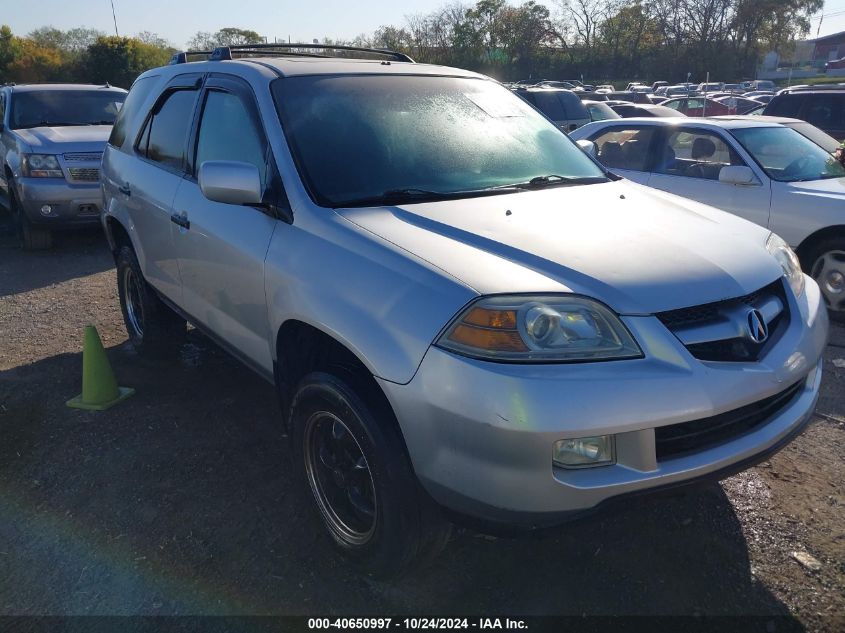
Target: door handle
x: 125, y: 190
x: 181, y: 219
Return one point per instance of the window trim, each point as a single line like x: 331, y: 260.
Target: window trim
x: 186, y: 82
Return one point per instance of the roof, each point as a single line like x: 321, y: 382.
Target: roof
x: 43, y: 87
x: 833, y: 36
x: 291, y: 66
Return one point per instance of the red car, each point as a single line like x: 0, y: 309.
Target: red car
x: 698, y: 106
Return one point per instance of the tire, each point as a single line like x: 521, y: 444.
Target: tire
x: 349, y: 453
x: 825, y: 262
x: 153, y: 328
x: 30, y: 238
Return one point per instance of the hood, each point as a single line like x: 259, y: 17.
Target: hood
x: 71, y: 138
x: 636, y: 249
x: 825, y: 188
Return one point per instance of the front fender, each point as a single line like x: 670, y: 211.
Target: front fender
x: 383, y: 304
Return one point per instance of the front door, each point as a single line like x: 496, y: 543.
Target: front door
x: 691, y: 159
x: 222, y: 247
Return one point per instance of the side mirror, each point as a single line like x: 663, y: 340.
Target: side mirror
x: 589, y: 147
x: 737, y: 175
x: 230, y: 182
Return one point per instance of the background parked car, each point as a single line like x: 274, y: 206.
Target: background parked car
x: 658, y: 84
x: 760, y: 84
x: 823, y: 107
x: 52, y: 138
x: 600, y: 111
x: 835, y: 64
x: 629, y: 110
x: 563, y: 107
x: 763, y: 171
x: 697, y: 106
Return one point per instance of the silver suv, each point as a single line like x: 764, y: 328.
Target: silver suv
x: 52, y: 138
x: 402, y: 250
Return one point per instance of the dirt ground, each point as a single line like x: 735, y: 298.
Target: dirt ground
x: 178, y: 501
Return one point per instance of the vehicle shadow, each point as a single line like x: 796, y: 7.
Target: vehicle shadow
x: 75, y: 254
x: 180, y: 501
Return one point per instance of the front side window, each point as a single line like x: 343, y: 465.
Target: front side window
x: 59, y: 107
x: 624, y: 147
x: 228, y: 131
x: 356, y: 138
x: 786, y: 155
x: 166, y: 131
x: 826, y: 111
x: 696, y: 154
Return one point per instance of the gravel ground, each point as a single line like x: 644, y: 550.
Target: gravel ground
x: 178, y: 501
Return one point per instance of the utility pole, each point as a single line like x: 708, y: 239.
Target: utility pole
x: 114, y: 17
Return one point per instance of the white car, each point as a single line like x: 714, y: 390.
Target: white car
x: 760, y: 170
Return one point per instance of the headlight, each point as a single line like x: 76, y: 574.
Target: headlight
x: 41, y: 166
x: 561, y: 328
x: 788, y: 260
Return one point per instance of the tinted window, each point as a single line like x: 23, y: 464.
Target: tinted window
x: 825, y: 111
x: 38, y: 108
x: 785, y: 105
x: 134, y: 100
x: 228, y: 131
x: 696, y: 154
x: 166, y: 131
x: 624, y: 147
x: 550, y: 105
x: 356, y: 138
x: 572, y: 106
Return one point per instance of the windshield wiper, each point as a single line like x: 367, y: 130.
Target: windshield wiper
x: 399, y: 196
x: 554, y: 180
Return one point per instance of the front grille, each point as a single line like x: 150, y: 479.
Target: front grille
x: 78, y: 157
x: 84, y: 174
x: 734, y: 348
x: 676, y: 440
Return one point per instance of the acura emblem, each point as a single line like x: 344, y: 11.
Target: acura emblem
x: 757, y: 328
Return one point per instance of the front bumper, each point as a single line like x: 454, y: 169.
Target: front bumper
x: 71, y: 204
x: 480, y: 434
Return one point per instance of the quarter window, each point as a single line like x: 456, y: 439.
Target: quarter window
x: 696, y: 154
x: 166, y: 131
x: 137, y: 94
x: 625, y: 147
x: 228, y: 131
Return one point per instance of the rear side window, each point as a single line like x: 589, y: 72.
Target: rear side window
x: 785, y: 106
x: 826, y: 111
x: 572, y: 106
x: 134, y: 100
x: 624, y: 147
x: 166, y: 131
x: 229, y: 132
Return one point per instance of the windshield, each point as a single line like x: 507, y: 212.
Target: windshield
x: 65, y: 107
x: 355, y: 138
x: 786, y: 155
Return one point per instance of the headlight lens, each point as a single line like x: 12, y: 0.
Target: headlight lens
x: 788, y: 260
x: 562, y: 328
x: 41, y: 166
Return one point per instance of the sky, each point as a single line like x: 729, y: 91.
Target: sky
x: 301, y: 20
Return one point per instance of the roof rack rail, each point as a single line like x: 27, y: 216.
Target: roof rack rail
x: 182, y: 56
x: 812, y: 87
x: 226, y: 52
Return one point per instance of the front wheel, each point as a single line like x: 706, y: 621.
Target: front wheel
x: 826, y: 264
x: 153, y: 328
x: 351, y: 457
x: 30, y: 238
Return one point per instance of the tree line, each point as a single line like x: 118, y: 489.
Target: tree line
x: 594, y: 39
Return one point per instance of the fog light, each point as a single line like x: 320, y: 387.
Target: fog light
x: 584, y: 451
x: 46, y: 209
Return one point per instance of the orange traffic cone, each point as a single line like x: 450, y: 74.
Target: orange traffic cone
x: 99, y: 386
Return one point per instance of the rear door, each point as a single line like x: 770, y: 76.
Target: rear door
x: 222, y: 247
x: 148, y: 187
x: 689, y: 165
